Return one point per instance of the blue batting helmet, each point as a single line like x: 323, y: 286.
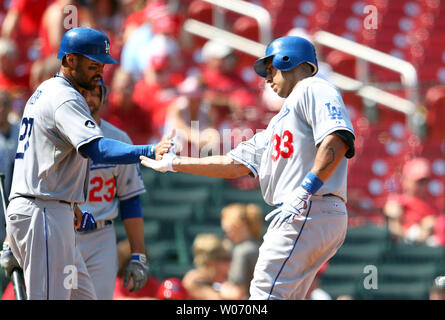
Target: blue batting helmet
x: 88, y: 42
x: 288, y: 52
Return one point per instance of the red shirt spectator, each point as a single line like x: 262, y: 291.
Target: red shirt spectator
x: 172, y: 289
x: 148, y: 291
x: 8, y: 294
x: 156, y: 90
x: 130, y: 118
x: 22, y: 23
x: 30, y: 12
x: 411, y: 216
x: 414, y: 209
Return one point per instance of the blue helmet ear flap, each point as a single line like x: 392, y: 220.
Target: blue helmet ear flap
x: 283, y: 62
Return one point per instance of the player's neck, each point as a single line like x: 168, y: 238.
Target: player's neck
x: 66, y: 74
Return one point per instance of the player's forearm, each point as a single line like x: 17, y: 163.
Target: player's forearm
x: 329, y: 156
x: 213, y: 166
x: 134, y: 228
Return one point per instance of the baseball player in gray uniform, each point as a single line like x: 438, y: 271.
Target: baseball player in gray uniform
x: 58, y: 138
x: 112, y: 188
x: 301, y: 162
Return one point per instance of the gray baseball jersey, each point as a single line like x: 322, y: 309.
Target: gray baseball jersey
x: 56, y: 123
x: 284, y: 153
x: 110, y: 183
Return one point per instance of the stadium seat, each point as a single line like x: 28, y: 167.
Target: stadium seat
x: 231, y: 195
x: 394, y: 291
x: 401, y: 272
x: 173, y: 270
x: 197, y: 197
x: 414, y: 253
x: 359, y: 252
x: 173, y: 219
x: 149, y: 176
x: 179, y: 180
x: 368, y: 233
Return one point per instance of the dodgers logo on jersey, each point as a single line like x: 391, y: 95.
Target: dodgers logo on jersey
x: 334, y: 112
x: 90, y: 124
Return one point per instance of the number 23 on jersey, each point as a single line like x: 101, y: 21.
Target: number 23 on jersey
x: 101, y: 190
x: 283, y: 145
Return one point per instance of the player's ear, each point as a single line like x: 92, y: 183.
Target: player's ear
x: 71, y: 60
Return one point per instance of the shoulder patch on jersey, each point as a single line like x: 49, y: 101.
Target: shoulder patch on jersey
x: 90, y: 124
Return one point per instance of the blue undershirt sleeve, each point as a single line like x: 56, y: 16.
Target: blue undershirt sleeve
x: 131, y: 208
x: 109, y: 151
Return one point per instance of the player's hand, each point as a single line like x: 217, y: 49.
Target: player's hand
x: 87, y: 222
x: 7, y: 260
x: 164, y: 165
x: 164, y: 145
x: 287, y: 212
x: 137, y: 270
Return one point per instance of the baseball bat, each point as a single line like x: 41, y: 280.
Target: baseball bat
x: 17, y: 274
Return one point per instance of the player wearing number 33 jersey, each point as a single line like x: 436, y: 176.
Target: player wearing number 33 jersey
x: 282, y: 154
x: 301, y: 162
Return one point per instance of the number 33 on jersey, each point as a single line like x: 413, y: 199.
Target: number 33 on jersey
x: 282, y: 145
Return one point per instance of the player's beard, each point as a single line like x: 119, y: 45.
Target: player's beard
x: 82, y: 78
x: 89, y: 84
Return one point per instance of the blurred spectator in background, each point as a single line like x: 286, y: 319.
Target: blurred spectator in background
x: 243, y: 225
x: 212, y: 261
x: 315, y: 292
x: 42, y: 70
x: 220, y: 75
x: 107, y: 15
x: 13, y: 77
x: 411, y: 217
x: 191, y: 115
x: 157, y: 89
x: 124, y: 113
x: 437, y: 290
x: 9, y: 133
x: 57, y: 18
x: 153, y: 37
x: 172, y: 289
x: 21, y: 24
x: 324, y: 69
x: 148, y: 292
x: 134, y: 16
x: 219, y: 67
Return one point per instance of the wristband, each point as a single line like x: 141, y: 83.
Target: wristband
x: 139, y: 257
x: 151, y: 151
x: 312, y: 183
